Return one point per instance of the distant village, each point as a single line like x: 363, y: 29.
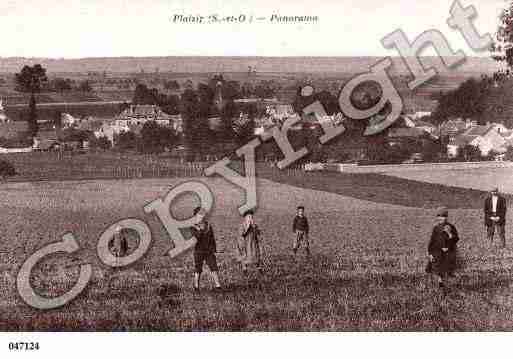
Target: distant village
x: 451, y: 139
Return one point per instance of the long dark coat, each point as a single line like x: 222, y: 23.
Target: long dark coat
x: 443, y: 262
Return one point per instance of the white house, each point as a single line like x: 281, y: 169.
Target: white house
x: 487, y: 138
x: 419, y: 114
x: 69, y: 121
x: 110, y: 129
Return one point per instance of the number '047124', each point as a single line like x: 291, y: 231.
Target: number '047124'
x: 23, y: 346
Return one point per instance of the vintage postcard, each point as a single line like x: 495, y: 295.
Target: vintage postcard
x: 255, y: 166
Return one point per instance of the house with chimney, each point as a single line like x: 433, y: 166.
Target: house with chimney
x: 140, y: 114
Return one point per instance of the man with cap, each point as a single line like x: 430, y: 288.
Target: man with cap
x: 495, y: 216
x: 442, y: 247
x: 205, y: 250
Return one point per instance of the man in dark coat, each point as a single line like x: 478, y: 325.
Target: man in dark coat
x: 442, y: 247
x: 495, y: 216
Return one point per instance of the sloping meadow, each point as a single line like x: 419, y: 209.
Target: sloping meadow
x: 366, y: 272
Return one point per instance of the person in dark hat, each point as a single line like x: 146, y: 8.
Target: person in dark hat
x: 495, y: 216
x: 248, y: 244
x: 204, y: 250
x: 442, y: 247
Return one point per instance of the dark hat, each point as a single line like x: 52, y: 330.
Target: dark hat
x: 248, y: 212
x: 300, y: 207
x: 495, y: 189
x: 442, y: 212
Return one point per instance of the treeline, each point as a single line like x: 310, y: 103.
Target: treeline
x: 485, y: 99
x: 467, y: 101
x: 60, y: 84
x: 143, y: 95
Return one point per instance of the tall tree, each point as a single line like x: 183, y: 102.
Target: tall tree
x: 85, y: 86
x: 32, y: 117
x: 155, y: 138
x: 189, y: 109
x: 31, y: 79
x: 503, y: 46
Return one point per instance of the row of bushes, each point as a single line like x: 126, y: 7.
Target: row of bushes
x: 6, y: 169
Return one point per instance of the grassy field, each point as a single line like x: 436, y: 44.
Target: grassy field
x: 366, y: 272
x: 48, y: 112
x: 410, y: 192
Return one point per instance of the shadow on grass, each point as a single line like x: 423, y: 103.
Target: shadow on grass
x: 380, y: 188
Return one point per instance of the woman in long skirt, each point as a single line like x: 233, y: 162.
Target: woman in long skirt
x: 442, y: 248
x: 248, y: 243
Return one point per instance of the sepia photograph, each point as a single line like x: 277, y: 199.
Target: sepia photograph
x: 172, y: 166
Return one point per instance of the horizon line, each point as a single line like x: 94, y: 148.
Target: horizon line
x: 227, y: 56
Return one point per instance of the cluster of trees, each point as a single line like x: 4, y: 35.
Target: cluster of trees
x: 60, y: 84
x: 6, y: 170
x: 172, y: 85
x: 102, y: 143
x: 209, y: 100
x: 466, y: 101
x: 57, y: 84
x: 153, y: 138
x: 262, y: 89
x: 146, y: 96
x: 381, y: 152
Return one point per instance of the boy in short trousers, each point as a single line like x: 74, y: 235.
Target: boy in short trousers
x: 301, y: 230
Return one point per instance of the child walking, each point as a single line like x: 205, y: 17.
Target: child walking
x: 204, y: 251
x: 301, y: 229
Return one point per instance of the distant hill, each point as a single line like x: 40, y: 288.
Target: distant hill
x: 284, y: 65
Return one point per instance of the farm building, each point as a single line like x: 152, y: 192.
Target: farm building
x: 139, y: 114
x: 488, y: 138
x: 426, y: 126
x: 456, y: 126
x: 109, y: 129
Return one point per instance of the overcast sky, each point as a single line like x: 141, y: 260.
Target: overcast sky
x: 104, y: 28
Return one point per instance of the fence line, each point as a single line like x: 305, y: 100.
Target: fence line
x: 113, y: 172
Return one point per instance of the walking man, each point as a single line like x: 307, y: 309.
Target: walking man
x: 495, y: 216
